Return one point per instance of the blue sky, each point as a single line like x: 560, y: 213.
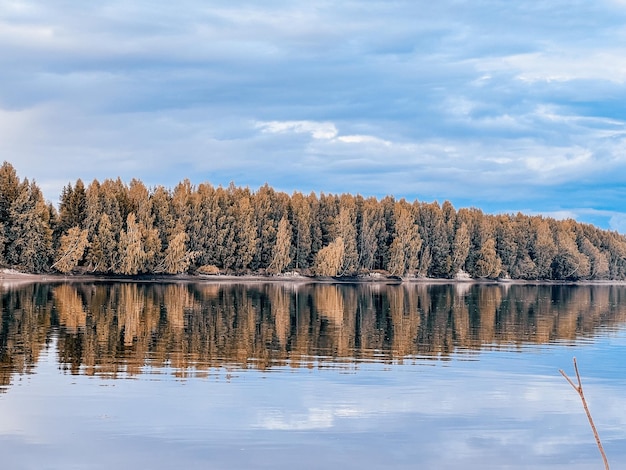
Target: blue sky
x: 506, y: 106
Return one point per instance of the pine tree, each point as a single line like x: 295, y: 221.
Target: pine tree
x: 72, y: 207
x: 29, y: 236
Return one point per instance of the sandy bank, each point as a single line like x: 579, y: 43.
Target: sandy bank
x: 16, y: 277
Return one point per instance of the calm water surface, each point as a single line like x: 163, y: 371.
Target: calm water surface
x: 228, y: 376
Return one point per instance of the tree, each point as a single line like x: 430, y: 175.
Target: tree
x: 103, y: 255
x: 542, y: 247
x: 72, y: 207
x: 506, y: 246
x: 488, y: 263
x: 372, y: 224
x: 29, y: 236
x: 71, y: 249
x: 269, y: 208
x: 162, y: 215
x: 329, y: 259
x: 244, y: 228
x: 568, y: 262
x: 280, y: 255
x: 599, y: 268
x: 9, y: 189
x: 345, y: 228
x: 301, y: 223
x: 130, y: 248
x: 177, y: 258
x: 406, y: 243
x: 460, y: 248
x: 436, y: 245
x: 103, y: 234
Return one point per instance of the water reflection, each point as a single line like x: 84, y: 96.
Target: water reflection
x: 114, y: 329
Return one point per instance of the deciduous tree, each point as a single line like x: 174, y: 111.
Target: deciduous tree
x: 71, y: 249
x: 329, y: 259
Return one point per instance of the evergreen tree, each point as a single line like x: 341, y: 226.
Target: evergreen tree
x: 435, y: 236
x: 29, y: 237
x: 72, y: 207
x: 488, y: 263
x: 406, y: 243
x: 281, y: 257
x: 103, y: 256
x: 460, y: 248
x: 301, y: 224
x: 568, y: 262
x: 244, y: 228
x: 345, y: 228
x: 370, y: 234
x: 542, y: 248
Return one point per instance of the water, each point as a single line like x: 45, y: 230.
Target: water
x: 102, y: 375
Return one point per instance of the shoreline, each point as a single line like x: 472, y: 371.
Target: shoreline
x: 16, y: 277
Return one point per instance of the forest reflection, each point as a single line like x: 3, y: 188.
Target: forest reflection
x: 117, y: 329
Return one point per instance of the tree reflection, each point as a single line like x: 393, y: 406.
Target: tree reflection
x: 119, y: 329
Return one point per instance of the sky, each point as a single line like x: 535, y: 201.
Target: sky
x: 505, y: 106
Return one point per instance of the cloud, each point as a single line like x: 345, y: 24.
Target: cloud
x: 565, y: 65
x: 495, y: 107
x: 618, y: 222
x: 318, y: 130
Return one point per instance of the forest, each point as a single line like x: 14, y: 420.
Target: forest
x: 114, y: 228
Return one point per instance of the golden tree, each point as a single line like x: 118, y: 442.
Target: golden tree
x: 329, y: 259
x: 280, y: 256
x: 71, y: 249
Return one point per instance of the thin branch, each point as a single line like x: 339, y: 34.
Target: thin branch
x: 579, y: 390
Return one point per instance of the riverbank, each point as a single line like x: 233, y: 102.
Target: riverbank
x: 13, y: 276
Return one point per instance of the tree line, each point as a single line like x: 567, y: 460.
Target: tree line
x: 111, y: 227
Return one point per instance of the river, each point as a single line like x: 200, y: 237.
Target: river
x: 104, y: 375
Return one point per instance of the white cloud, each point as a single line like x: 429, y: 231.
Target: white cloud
x: 565, y: 160
x: 561, y: 65
x: 363, y: 139
x: 319, y: 130
x: 618, y: 222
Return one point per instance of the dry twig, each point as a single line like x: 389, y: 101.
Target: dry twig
x: 579, y: 390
